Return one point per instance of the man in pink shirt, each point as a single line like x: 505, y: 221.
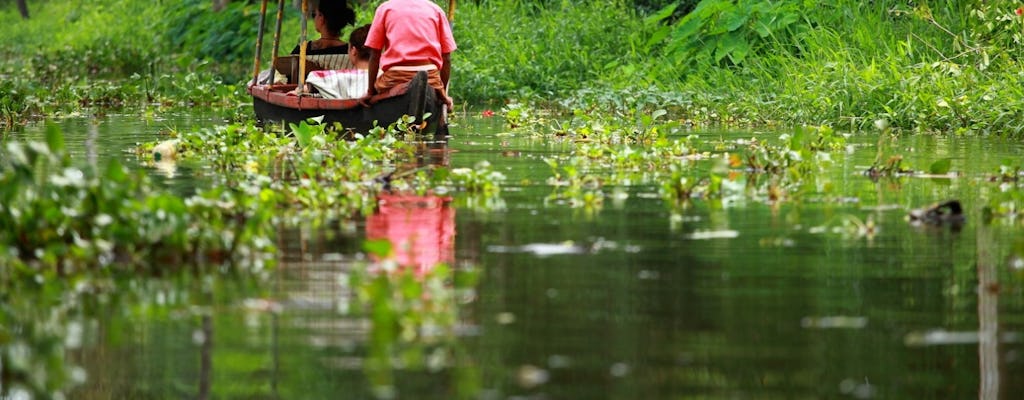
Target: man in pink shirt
x: 407, y: 36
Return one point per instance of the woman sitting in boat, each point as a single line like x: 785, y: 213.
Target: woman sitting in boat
x: 345, y: 83
x: 330, y: 17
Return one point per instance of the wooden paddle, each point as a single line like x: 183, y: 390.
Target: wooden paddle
x: 442, y: 130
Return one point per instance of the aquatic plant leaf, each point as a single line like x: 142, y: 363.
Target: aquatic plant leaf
x: 54, y: 139
x: 465, y: 279
x: 115, y: 172
x: 378, y: 247
x: 941, y: 167
x: 16, y: 154
x: 303, y: 134
x: 267, y: 195
x: 442, y: 174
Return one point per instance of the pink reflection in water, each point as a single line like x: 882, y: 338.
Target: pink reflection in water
x: 421, y: 229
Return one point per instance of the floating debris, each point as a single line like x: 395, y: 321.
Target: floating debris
x: 834, y: 322
x: 620, y: 369
x: 945, y: 213
x: 166, y: 150
x: 530, y: 376
x: 705, y: 235
x: 856, y: 389
x: 541, y: 249
x: 939, y: 337
x: 505, y: 318
x: 262, y: 305
x: 556, y: 361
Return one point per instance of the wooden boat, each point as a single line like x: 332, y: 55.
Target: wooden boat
x: 272, y: 102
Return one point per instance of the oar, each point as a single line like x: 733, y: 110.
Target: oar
x: 442, y: 130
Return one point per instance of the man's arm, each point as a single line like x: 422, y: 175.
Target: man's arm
x: 372, y: 72
x: 446, y: 68
x: 371, y: 75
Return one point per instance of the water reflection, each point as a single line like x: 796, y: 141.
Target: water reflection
x: 421, y: 229
x: 720, y: 300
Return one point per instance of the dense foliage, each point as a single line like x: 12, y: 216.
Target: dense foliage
x: 950, y: 66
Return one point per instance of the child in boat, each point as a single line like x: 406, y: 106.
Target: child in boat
x: 407, y: 36
x: 345, y: 83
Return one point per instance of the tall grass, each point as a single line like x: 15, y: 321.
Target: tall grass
x: 514, y: 48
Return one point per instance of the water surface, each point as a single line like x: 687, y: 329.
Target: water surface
x: 740, y: 298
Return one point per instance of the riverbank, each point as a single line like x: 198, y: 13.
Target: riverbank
x: 950, y: 70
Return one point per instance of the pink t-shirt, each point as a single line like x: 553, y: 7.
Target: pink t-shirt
x: 410, y: 32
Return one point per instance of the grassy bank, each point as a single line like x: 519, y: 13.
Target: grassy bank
x: 952, y: 67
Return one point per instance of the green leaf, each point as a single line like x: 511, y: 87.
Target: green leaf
x: 378, y: 247
x: 16, y: 154
x: 733, y: 19
x: 115, y: 172
x: 54, y: 139
x: 762, y: 29
x: 657, y: 37
x: 733, y: 45
x: 441, y: 174
x: 686, y: 30
x: 661, y: 14
x: 941, y: 167
x: 784, y: 21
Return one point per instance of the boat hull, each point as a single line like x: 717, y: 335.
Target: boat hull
x: 273, y: 105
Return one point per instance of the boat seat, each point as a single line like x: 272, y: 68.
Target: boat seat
x: 289, y: 65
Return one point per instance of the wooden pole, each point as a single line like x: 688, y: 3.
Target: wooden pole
x: 277, y: 39
x: 23, y: 9
x: 259, y: 43
x: 302, y: 48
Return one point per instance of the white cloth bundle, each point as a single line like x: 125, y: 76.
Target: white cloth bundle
x: 339, y: 84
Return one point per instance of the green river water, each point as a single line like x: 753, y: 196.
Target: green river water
x: 738, y: 299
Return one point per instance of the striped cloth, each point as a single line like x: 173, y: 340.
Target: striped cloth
x: 339, y: 84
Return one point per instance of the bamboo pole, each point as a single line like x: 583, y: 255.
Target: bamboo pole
x: 277, y: 39
x: 302, y: 48
x: 259, y: 43
x: 451, y: 11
